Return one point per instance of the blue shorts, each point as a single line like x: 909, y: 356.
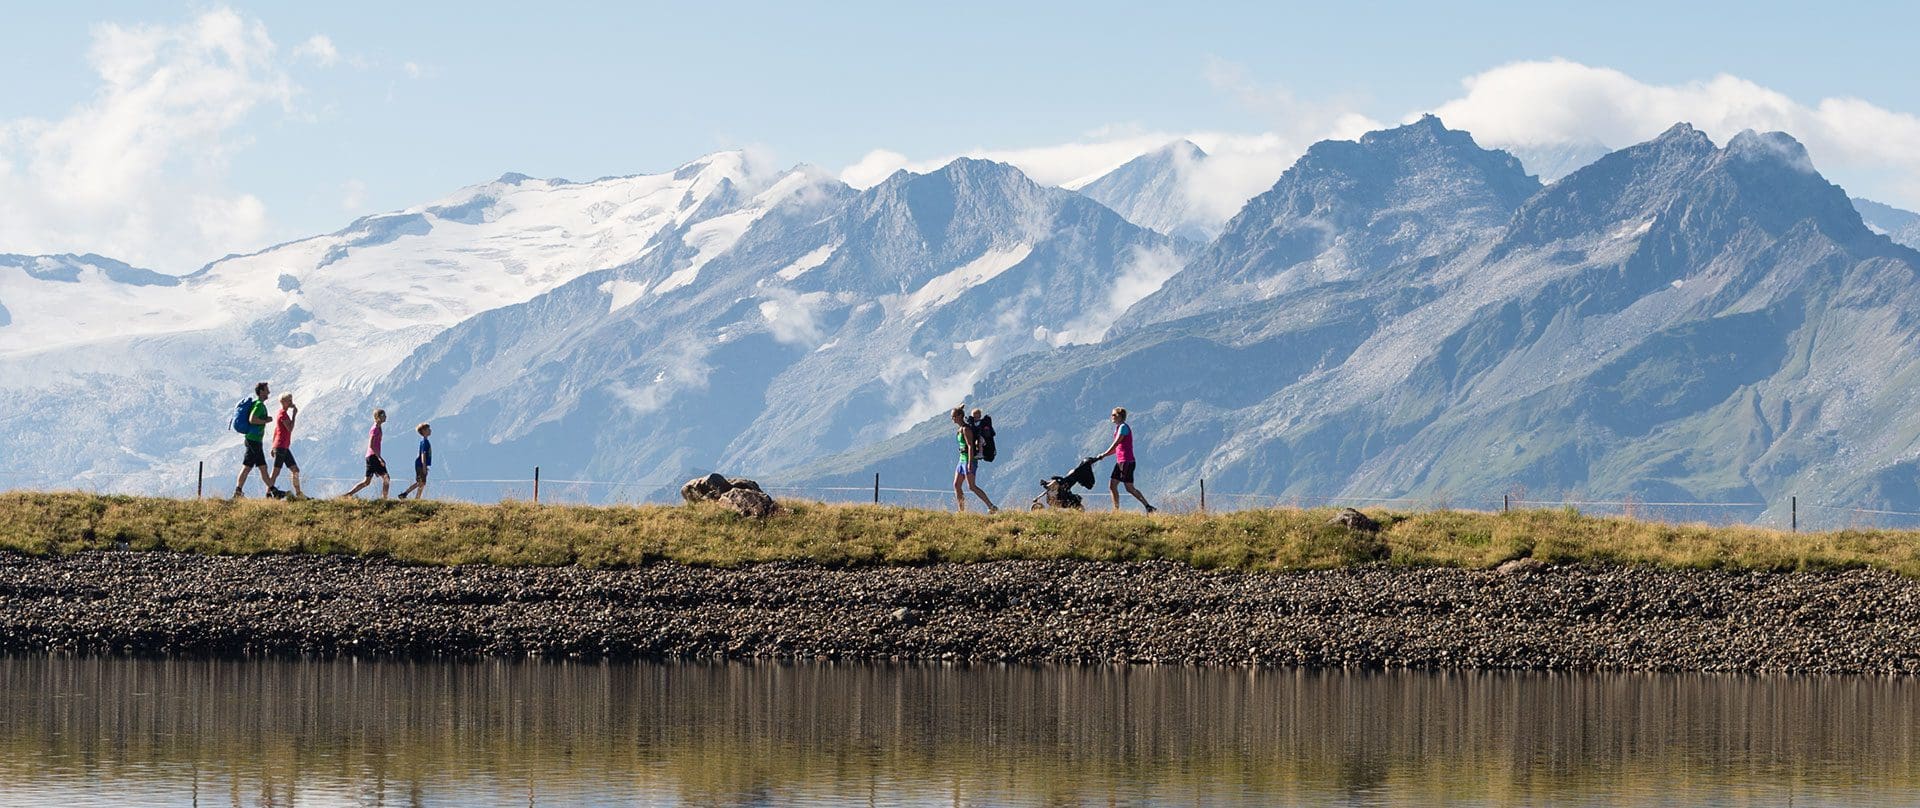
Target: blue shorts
x: 966, y: 468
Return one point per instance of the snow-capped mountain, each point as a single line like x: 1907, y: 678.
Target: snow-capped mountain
x: 154, y: 358
x: 833, y: 319
x: 1155, y: 191
x: 1903, y: 226
x: 1405, y: 314
x: 1414, y: 315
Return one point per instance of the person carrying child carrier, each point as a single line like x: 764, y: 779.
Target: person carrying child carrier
x: 982, y: 425
x: 966, y: 473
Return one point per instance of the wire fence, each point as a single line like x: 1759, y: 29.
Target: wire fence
x: 195, y: 481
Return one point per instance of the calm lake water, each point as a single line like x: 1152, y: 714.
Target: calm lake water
x: 115, y: 732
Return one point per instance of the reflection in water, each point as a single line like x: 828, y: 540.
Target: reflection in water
x: 87, y: 731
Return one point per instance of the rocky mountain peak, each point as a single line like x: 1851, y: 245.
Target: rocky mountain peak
x: 1152, y: 190
x: 1683, y: 135
x: 1775, y: 146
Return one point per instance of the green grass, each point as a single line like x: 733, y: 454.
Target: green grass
x: 853, y: 535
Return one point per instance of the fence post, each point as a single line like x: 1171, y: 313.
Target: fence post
x: 1796, y: 513
x: 876, y: 488
x: 200, y: 481
x: 1506, y: 503
x: 536, y: 485
x: 1203, y: 495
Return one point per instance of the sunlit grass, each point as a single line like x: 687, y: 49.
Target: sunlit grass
x: 855, y: 535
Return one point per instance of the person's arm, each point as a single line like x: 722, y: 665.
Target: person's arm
x: 258, y: 416
x: 971, y: 442
x: 1112, y: 448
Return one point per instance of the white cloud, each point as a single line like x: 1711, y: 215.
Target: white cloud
x: 320, y: 49
x: 685, y: 370
x: 1548, y: 102
x: 138, y: 171
x: 793, y: 317
x: 1144, y: 274
x: 877, y: 165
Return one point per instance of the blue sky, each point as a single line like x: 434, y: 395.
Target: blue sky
x: 346, y: 108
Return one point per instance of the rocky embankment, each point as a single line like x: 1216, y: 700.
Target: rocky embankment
x: 1574, y: 618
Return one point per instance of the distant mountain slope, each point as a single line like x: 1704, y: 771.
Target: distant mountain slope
x: 1409, y: 316
x: 1155, y: 191
x: 1552, y: 161
x: 1903, y: 226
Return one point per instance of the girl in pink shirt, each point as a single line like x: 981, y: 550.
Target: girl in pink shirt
x: 376, y: 467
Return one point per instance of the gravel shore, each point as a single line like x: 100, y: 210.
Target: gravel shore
x: 1556, y: 618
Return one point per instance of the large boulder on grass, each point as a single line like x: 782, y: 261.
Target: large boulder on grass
x: 1355, y: 520
x: 742, y: 482
x: 706, y: 489
x: 749, y: 503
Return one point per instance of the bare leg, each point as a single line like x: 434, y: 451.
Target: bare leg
x: 959, y: 493
x: 979, y: 493
x: 1113, y: 487
x: 356, y: 489
x: 241, y: 483
x: 1136, y: 495
x: 296, y: 485
x: 385, y: 482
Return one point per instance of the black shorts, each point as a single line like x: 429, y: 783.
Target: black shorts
x: 1123, y: 472
x: 376, y: 467
x: 283, y: 458
x: 419, y: 471
x: 256, y: 456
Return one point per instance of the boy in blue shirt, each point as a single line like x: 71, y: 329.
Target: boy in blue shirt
x: 422, y: 462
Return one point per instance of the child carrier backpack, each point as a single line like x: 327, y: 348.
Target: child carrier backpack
x: 243, y: 416
x: 984, y: 430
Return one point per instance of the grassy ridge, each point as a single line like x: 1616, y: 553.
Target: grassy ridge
x: 1280, y: 539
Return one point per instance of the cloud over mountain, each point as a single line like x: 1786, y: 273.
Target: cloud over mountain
x: 139, y: 170
x: 1876, y: 150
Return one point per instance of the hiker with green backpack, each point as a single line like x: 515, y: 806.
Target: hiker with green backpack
x: 250, y: 420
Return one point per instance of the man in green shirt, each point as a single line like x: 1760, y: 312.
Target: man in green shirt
x: 256, y: 457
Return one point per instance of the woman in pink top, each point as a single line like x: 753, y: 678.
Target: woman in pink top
x: 1122, y: 452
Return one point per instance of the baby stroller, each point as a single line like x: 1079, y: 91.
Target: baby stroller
x: 1057, y: 492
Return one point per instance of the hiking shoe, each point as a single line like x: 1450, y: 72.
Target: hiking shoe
x: 992, y: 510
x: 403, y: 495
x: 239, y: 494
x: 275, y: 493
x: 1151, y: 509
